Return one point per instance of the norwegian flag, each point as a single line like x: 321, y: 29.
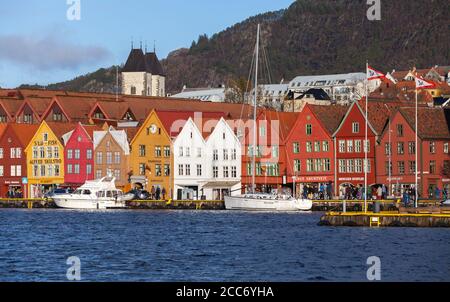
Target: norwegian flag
x: 422, y: 84
x: 373, y: 74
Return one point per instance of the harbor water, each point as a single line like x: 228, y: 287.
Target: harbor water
x: 129, y: 245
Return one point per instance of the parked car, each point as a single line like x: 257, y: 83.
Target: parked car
x: 57, y: 191
x: 139, y: 194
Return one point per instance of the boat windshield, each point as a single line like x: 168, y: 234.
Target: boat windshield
x: 78, y: 192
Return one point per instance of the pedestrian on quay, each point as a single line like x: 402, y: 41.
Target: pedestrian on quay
x: 163, y: 192
x: 152, y: 193
x: 158, y: 193
x: 383, y: 187
x: 437, y: 193
x: 379, y: 193
x: 405, y: 198
x: 445, y: 193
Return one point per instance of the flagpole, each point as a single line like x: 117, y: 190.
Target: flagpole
x: 365, y: 142
x: 416, y: 149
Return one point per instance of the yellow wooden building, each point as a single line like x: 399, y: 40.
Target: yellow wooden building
x: 45, y: 158
x: 151, y: 157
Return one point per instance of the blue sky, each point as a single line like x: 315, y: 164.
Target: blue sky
x: 38, y: 44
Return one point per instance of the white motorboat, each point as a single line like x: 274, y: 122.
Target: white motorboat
x: 263, y: 202
x: 94, y: 194
x: 267, y: 202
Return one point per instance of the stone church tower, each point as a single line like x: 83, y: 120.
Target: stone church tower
x: 143, y: 75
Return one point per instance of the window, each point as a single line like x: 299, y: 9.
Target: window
x: 49, y: 152
x: 355, y: 127
x: 350, y: 146
x: 142, y: 150
x: 180, y: 170
x: 158, y: 151
x: 342, y: 146
x: 342, y: 166
x: 180, y: 152
x: 308, y: 129
x: 109, y: 157
x: 249, y: 169
x: 387, y: 148
x: 446, y: 148
x: 117, y: 174
x: 18, y: 152
x: 55, y: 152
x: 309, y: 165
x: 77, y: 154
x: 368, y: 165
x: 57, y: 116
x: 215, y: 172
x: 27, y: 118
x: 199, y: 170
x: 366, y: 145
x: 188, y: 170
x: 42, y: 170
x: 308, y: 147
x: 357, y: 146
x: 432, y: 147
x: 117, y: 157
x: 262, y: 130
x: 275, y: 151
x: 401, y: 167
x: 35, y: 152
x: 316, y: 146
x: 45, y: 137
x: 225, y: 172
x: 42, y: 152
x: 77, y: 169
x: 258, y: 169
x: 12, y: 152
x: 88, y: 169
x: 234, y: 172
x: 199, y: 152
x: 141, y: 169
x: 89, y: 154
x: 69, y: 169
x: 350, y: 166
x: 98, y: 174
x: 133, y: 90
x: 326, y: 165
x: 35, y: 170
x: 400, y: 130
x: 233, y: 154
x: 13, y: 171
x: 99, y: 158
x: 358, y: 165
x: 225, y: 154
x: 166, y: 170
x: 432, y: 167
x: 325, y: 146
x: 296, y: 147
x: 50, y: 170
x: 215, y: 154
x: 56, y: 170
x: 158, y: 171
x: 297, y: 165
x: 188, y: 152
x: 400, y: 148
x: 250, y: 150
x: 166, y: 151
x: 412, y: 147
x: 388, y: 168
x: 18, y: 170
x: 412, y: 167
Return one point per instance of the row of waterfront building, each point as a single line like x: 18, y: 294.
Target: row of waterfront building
x: 191, y: 149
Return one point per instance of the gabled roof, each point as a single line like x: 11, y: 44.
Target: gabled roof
x: 2, y: 128
x: 139, y: 62
x: 24, y: 132
x: 59, y: 129
x: 330, y: 117
x: 120, y: 136
x: 286, y: 121
x: 11, y: 106
x: 433, y: 123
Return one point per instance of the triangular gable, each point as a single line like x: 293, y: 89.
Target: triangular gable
x: 144, y: 126
x: 348, y: 113
x: 38, y: 131
x: 22, y: 108
x: 195, y: 127
x: 227, y: 126
x: 8, y: 114
x: 94, y: 109
x: 50, y: 107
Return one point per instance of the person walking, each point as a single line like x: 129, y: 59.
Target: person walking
x: 158, y: 193
x: 163, y: 192
x: 380, y: 193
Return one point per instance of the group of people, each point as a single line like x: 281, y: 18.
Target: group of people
x: 14, y: 193
x: 321, y: 191
x: 358, y: 192
x: 156, y: 193
x: 437, y: 193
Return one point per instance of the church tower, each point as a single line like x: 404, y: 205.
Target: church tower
x: 143, y: 75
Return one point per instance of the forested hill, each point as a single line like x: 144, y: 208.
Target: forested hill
x: 314, y: 37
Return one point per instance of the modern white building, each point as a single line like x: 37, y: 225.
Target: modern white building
x: 203, y: 94
x: 206, y: 167
x: 273, y: 95
x: 143, y: 75
x: 342, y: 88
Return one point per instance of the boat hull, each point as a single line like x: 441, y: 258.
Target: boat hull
x: 254, y: 204
x: 71, y: 203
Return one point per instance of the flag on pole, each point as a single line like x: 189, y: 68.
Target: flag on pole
x: 373, y: 74
x: 422, y: 84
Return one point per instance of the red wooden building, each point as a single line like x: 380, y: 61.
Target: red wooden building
x: 271, y: 170
x: 13, y: 164
x: 397, y: 171
x: 79, y: 155
x: 350, y: 143
x: 310, y: 147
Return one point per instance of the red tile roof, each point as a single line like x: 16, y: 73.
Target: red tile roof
x: 24, y: 132
x: 329, y: 116
x: 433, y: 123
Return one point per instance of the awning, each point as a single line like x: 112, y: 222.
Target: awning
x: 220, y: 184
x: 138, y: 179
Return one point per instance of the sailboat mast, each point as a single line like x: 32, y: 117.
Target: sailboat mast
x: 254, y: 112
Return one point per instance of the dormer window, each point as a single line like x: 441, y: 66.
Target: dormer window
x: 133, y: 90
x: 99, y: 115
x: 57, y: 116
x: 28, y: 118
x: 3, y: 118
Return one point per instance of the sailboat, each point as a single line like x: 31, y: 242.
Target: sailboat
x: 257, y: 201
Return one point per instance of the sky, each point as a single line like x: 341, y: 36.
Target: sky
x: 41, y: 43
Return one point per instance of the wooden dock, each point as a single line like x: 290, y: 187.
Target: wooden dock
x: 418, y: 218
